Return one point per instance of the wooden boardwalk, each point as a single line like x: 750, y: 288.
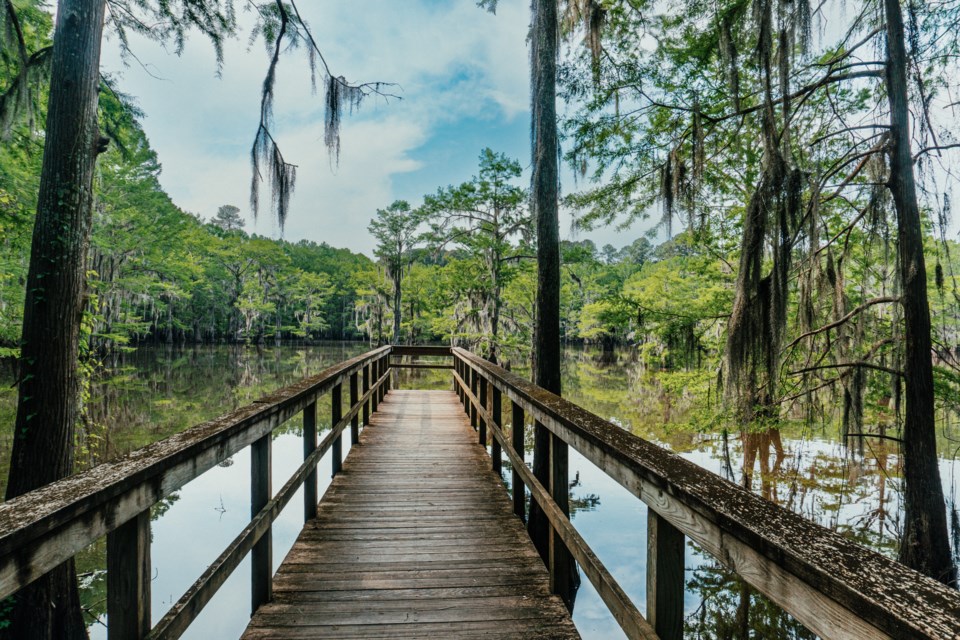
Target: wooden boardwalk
x: 415, y: 538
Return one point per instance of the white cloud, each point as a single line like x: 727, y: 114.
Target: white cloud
x: 453, y: 62
x: 458, y: 68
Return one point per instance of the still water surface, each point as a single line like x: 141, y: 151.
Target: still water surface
x: 155, y: 392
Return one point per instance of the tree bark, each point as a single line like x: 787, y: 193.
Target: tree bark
x: 48, y: 406
x: 544, y: 195
x: 925, y: 545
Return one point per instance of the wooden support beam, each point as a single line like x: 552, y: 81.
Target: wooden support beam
x: 309, y: 446
x: 497, y: 418
x: 355, y: 422
x: 562, y: 568
x: 516, y: 435
x: 366, y: 387
x: 665, y: 551
x: 474, y: 384
x: 128, y: 578
x: 261, y: 491
x: 336, y: 412
x: 481, y: 423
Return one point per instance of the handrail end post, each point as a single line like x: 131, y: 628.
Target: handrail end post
x: 665, y: 584
x: 128, y: 578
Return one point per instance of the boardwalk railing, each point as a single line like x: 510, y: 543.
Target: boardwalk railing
x: 46, y: 527
x: 838, y: 589
x: 835, y: 587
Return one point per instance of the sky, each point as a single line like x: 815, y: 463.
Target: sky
x: 464, y: 80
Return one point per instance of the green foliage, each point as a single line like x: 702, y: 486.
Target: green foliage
x: 480, y: 218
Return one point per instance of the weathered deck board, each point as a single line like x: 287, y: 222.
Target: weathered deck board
x: 415, y: 538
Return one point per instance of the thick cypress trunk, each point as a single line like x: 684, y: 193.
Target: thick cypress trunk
x: 544, y: 195
x: 925, y: 545
x: 48, y: 406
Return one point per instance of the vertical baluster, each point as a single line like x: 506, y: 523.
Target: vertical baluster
x: 516, y: 436
x: 374, y: 376
x: 355, y: 421
x: 366, y: 387
x: 561, y: 562
x: 381, y: 369
x: 474, y: 383
x: 128, y: 578
x: 482, y: 424
x: 665, y: 548
x: 497, y: 418
x: 387, y: 369
x: 261, y: 585
x: 309, y: 446
x: 336, y: 412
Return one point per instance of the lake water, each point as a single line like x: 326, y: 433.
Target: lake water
x: 152, y: 393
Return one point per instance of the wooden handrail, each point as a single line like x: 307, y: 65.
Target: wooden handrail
x: 624, y: 611
x: 835, y: 587
x: 43, y: 528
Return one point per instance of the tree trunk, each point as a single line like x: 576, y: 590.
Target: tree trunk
x: 925, y: 545
x: 544, y: 194
x: 47, y: 411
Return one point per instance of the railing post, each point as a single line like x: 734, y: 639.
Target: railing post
x: 516, y: 435
x: 128, y: 579
x: 336, y: 412
x: 390, y: 371
x: 374, y: 376
x: 561, y: 562
x: 497, y: 418
x: 383, y: 370
x: 366, y: 387
x: 309, y: 446
x: 665, y: 549
x: 355, y: 421
x: 261, y: 579
x: 381, y: 388
x: 482, y: 424
x: 473, y: 390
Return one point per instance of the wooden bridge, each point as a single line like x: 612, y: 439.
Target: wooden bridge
x: 416, y: 536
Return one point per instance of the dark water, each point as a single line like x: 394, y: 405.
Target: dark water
x: 152, y: 393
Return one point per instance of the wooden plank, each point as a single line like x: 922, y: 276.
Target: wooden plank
x: 412, y: 549
x: 552, y: 628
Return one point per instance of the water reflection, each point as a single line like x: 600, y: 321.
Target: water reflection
x: 805, y: 467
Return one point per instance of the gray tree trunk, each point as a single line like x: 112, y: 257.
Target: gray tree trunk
x: 47, y: 411
x: 925, y: 545
x: 546, y: 353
